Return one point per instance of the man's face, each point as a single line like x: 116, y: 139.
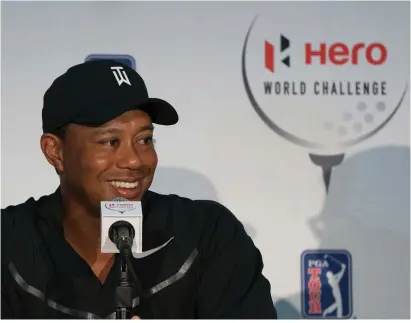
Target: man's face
x: 117, y: 159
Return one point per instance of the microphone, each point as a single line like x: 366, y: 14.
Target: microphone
x: 121, y: 220
x: 121, y: 233
x: 121, y: 226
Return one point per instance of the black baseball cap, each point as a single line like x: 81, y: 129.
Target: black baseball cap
x: 95, y: 92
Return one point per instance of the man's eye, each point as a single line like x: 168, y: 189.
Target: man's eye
x: 111, y: 142
x: 146, y: 141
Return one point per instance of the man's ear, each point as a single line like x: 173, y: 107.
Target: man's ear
x: 51, y: 145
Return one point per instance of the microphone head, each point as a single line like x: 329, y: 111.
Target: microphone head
x: 121, y: 228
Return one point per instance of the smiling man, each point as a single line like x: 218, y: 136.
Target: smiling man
x: 98, y: 135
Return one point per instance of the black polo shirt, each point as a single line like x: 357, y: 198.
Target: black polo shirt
x: 209, y: 269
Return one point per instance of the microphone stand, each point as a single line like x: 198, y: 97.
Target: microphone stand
x: 124, y: 288
x: 121, y: 233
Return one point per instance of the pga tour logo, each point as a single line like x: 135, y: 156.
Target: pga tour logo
x: 120, y: 206
x: 326, y: 284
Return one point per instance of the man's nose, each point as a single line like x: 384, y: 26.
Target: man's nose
x: 129, y: 157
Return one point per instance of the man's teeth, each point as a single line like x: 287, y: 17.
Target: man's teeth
x: 124, y: 184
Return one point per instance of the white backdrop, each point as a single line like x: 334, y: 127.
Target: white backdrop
x: 190, y: 55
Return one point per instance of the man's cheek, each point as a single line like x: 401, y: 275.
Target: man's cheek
x: 150, y: 159
x: 96, y: 162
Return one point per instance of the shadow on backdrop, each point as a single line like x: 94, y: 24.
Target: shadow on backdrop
x: 183, y: 182
x: 190, y: 184
x: 367, y: 212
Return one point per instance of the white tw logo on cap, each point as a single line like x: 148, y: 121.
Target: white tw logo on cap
x: 120, y: 75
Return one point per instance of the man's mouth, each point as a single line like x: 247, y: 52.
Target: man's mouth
x: 127, y: 189
x: 124, y: 184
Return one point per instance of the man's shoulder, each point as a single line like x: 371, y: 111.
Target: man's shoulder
x: 17, y: 228
x: 24, y: 210
x: 20, y: 216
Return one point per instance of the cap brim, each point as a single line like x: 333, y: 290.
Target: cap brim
x: 160, y: 112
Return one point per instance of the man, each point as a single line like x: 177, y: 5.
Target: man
x: 98, y: 135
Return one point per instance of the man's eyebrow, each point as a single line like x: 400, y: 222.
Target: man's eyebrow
x: 149, y: 127
x: 117, y: 130
x: 106, y: 131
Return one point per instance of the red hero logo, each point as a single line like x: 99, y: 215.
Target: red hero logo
x: 341, y: 54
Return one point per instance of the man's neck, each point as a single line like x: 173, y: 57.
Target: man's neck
x: 82, y: 227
